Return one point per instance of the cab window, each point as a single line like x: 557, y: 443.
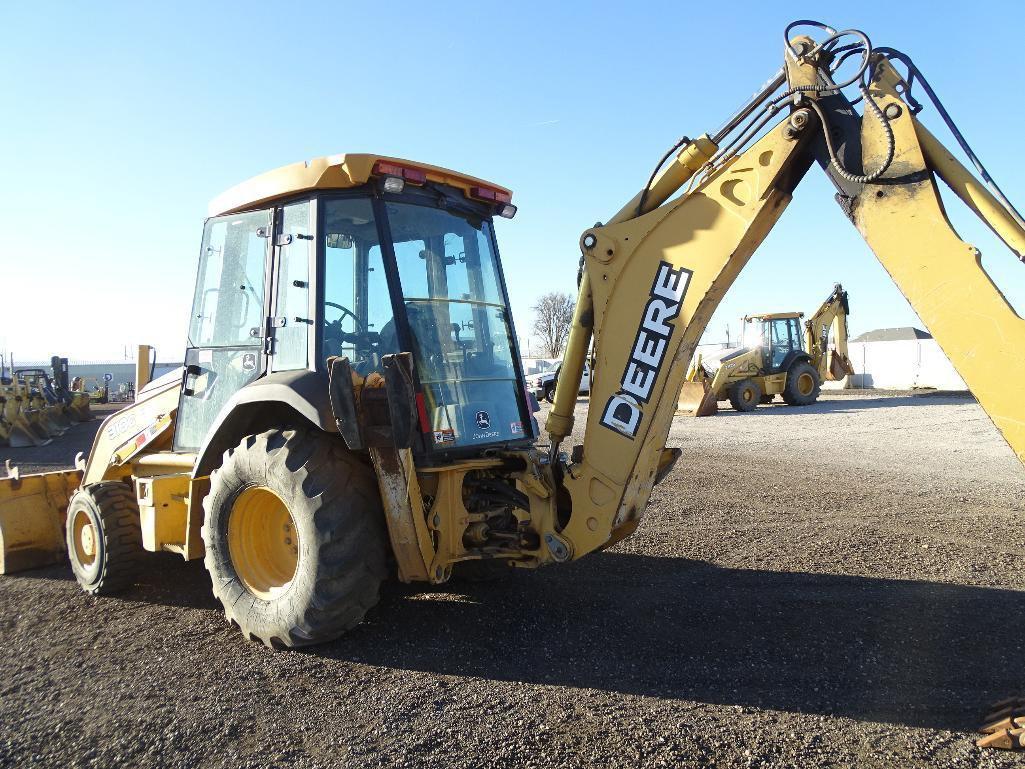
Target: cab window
x: 357, y: 319
x: 228, y: 303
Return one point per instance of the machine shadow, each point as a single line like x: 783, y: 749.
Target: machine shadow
x: 902, y: 652
x: 848, y: 405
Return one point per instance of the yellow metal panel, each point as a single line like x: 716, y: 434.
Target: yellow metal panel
x: 941, y: 275
x: 709, y: 236
x: 971, y: 191
x: 32, y: 511
x: 163, y: 510
x: 120, y: 427
x: 403, y: 512
x: 331, y: 172
x: 774, y: 316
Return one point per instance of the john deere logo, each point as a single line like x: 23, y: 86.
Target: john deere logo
x: 483, y: 420
x: 624, y: 409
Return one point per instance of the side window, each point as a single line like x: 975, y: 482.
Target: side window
x: 796, y: 334
x: 411, y: 256
x: 357, y: 314
x: 293, y: 299
x: 228, y: 303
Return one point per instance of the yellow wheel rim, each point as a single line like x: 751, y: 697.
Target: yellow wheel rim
x: 263, y: 542
x: 748, y: 396
x: 84, y: 537
x: 805, y: 383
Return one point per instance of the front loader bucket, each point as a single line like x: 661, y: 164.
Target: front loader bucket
x: 60, y: 416
x: 49, y: 423
x: 32, y: 512
x: 21, y: 434
x: 696, y: 400
x: 79, y: 407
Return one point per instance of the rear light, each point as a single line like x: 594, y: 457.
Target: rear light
x: 507, y: 210
x: 491, y: 195
x: 414, y: 175
x: 411, y: 175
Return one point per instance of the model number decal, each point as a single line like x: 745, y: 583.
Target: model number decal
x: 624, y: 410
x: 121, y: 425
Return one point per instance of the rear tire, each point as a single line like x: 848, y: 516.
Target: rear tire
x: 104, y: 537
x: 295, y: 540
x: 745, y: 395
x: 802, y: 387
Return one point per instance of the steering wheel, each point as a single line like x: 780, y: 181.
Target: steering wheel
x: 345, y: 311
x: 362, y: 340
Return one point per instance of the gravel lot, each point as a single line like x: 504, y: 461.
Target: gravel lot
x: 832, y: 586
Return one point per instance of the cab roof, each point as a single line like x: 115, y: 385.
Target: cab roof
x: 773, y: 316
x: 334, y: 172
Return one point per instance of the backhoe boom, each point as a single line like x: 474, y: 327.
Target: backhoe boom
x: 654, y: 275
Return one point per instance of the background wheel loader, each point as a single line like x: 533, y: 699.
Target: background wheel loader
x: 352, y: 404
x: 786, y: 358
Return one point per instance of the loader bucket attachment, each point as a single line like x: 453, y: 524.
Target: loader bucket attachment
x: 696, y: 400
x: 32, y: 512
x: 20, y: 433
x: 79, y: 407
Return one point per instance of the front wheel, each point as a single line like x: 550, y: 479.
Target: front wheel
x: 294, y: 536
x: 802, y: 387
x: 745, y: 395
x: 104, y: 537
x: 549, y: 392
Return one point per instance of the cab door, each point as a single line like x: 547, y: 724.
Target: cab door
x: 780, y: 343
x: 291, y: 326
x: 227, y: 329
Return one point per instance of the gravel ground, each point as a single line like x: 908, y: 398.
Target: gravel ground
x: 835, y: 586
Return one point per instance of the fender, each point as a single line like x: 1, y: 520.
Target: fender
x: 793, y: 357
x: 277, y: 399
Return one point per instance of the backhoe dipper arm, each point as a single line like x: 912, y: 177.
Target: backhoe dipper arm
x: 829, y: 322
x: 654, y: 275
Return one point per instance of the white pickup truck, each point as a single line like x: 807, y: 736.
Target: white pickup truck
x: 543, y: 385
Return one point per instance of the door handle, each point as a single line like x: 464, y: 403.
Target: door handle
x: 191, y: 371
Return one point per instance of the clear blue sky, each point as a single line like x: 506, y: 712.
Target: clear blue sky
x: 121, y: 121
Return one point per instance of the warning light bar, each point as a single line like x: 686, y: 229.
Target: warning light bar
x: 490, y: 195
x: 411, y: 175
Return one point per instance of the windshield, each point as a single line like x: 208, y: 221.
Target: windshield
x: 462, y: 341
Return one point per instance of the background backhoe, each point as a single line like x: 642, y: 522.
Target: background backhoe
x: 352, y: 403
x: 785, y: 357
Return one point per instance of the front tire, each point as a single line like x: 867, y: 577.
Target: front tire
x: 294, y: 534
x: 549, y: 392
x: 745, y: 395
x: 802, y: 387
x: 104, y: 537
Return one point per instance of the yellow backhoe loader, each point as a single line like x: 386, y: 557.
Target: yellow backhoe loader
x: 786, y: 358
x: 352, y: 403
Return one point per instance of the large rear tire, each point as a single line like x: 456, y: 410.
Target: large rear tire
x: 295, y: 540
x: 802, y: 387
x: 104, y: 537
x: 745, y: 395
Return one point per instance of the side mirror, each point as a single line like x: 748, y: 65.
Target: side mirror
x: 338, y: 240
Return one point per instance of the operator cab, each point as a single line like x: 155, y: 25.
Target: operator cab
x: 361, y: 257
x: 777, y: 334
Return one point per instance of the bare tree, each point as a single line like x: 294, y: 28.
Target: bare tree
x: 553, y: 316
